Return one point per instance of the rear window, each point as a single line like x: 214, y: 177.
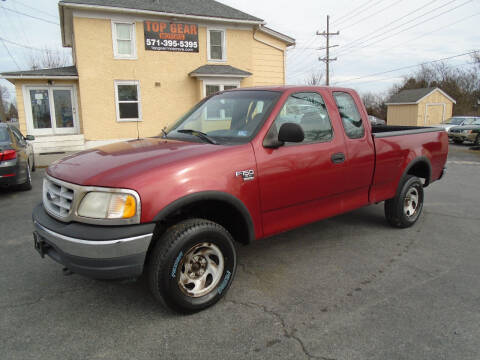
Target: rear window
x: 351, y: 118
x: 4, y: 135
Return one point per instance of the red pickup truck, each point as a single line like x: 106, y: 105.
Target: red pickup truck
x: 241, y: 165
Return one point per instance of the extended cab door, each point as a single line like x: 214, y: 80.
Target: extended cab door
x: 302, y: 182
x: 360, y: 152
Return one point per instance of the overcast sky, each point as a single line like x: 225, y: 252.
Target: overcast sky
x: 375, y: 35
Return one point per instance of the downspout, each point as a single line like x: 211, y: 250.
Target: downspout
x: 257, y: 28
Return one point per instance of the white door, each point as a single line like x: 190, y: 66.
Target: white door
x: 51, y: 110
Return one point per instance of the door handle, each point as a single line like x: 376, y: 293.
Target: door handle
x: 338, y: 158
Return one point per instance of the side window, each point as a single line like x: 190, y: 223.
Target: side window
x: 124, y: 40
x: 216, y: 45
x: 18, y: 136
x: 309, y: 111
x: 127, y: 98
x: 352, y: 121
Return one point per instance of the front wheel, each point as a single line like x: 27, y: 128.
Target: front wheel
x: 192, y: 265
x: 405, y: 208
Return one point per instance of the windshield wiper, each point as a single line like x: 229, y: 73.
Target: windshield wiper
x: 199, y: 134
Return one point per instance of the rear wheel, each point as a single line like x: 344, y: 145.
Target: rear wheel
x: 192, y: 265
x: 405, y: 208
x: 458, y: 141
x: 27, y: 185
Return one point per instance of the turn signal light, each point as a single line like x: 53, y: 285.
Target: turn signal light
x: 8, y: 155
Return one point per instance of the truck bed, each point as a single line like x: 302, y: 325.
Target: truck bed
x: 381, y: 131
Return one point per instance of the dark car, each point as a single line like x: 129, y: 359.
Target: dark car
x: 470, y: 132
x: 16, y: 158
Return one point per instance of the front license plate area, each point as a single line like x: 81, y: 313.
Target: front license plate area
x: 40, y: 245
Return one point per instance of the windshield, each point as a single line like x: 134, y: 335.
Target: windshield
x: 4, y: 137
x: 455, y: 121
x: 476, y: 122
x: 230, y: 117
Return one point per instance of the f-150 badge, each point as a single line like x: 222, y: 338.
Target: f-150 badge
x: 246, y: 174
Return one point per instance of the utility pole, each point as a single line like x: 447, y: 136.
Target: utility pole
x: 327, y: 58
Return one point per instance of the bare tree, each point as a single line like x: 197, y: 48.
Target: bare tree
x: 314, y: 79
x: 50, y: 59
x: 3, y: 103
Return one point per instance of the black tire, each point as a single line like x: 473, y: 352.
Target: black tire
x: 27, y: 185
x: 396, y: 211
x: 457, y: 141
x: 169, y: 270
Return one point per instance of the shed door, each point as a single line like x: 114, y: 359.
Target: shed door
x: 434, y: 114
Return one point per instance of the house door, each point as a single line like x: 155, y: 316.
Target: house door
x: 51, y: 110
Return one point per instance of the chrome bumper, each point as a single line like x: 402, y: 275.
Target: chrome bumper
x: 105, y: 249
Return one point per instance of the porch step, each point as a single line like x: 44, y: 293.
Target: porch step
x: 59, y: 143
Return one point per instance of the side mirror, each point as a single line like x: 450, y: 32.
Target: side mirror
x: 30, y: 137
x: 291, y: 132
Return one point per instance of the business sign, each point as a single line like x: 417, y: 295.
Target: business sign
x: 165, y: 36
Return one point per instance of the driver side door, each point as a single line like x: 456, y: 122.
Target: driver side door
x: 302, y: 182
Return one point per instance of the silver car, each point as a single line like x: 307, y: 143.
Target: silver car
x: 457, y: 121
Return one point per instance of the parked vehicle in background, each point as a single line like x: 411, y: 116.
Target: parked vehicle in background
x: 459, y: 134
x: 456, y: 121
x: 242, y: 165
x: 376, y: 121
x: 16, y: 157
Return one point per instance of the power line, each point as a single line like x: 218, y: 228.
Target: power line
x: 11, y: 56
x: 395, y: 2
x: 368, y: 38
x: 37, y: 10
x: 13, y: 26
x: 413, y: 26
x: 21, y: 45
x: 366, y: 8
x: 408, y: 67
x: 399, y: 77
x: 30, y: 16
x: 347, y: 14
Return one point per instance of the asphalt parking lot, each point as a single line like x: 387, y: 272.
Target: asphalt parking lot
x: 349, y: 287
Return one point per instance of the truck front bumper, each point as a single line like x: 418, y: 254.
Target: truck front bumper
x: 101, y: 252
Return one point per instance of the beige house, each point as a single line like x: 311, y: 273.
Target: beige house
x: 139, y: 65
x: 419, y: 107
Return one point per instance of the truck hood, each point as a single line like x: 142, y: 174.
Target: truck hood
x: 113, y: 165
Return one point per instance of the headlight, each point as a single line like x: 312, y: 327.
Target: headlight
x: 467, y: 131
x: 104, y: 205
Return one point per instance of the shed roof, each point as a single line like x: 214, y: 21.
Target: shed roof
x: 62, y: 72
x: 219, y: 71
x: 208, y: 8
x: 414, y: 96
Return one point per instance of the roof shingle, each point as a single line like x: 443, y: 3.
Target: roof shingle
x: 219, y: 70
x: 208, y: 8
x: 410, y: 96
x: 62, y: 71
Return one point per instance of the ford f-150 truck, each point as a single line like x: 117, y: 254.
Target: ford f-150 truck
x: 241, y: 165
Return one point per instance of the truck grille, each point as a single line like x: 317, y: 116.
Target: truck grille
x: 57, y: 198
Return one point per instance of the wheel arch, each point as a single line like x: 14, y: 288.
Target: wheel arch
x: 420, y: 167
x: 220, y: 207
